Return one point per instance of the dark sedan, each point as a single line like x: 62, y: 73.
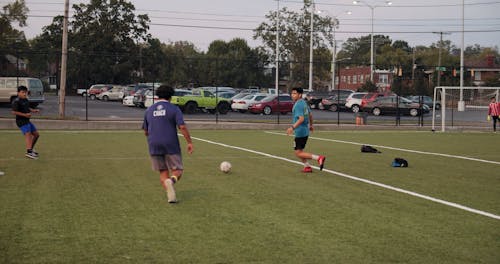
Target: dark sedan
x: 335, y: 103
x: 427, y: 100
x: 390, y: 105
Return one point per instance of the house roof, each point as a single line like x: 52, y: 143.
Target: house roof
x: 487, y: 63
x: 13, y: 59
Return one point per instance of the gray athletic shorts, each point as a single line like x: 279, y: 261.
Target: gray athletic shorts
x: 167, y: 162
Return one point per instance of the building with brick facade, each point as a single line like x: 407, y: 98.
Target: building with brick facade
x: 482, y: 70
x: 352, y: 78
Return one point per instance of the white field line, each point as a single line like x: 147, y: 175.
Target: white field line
x: 462, y: 207
x: 399, y: 149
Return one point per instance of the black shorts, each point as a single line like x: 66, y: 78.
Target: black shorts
x: 300, y: 143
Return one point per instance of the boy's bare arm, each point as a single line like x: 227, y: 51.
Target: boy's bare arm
x: 27, y: 115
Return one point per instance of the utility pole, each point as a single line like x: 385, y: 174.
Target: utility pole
x: 64, y: 58
x: 439, y: 56
x: 335, y: 24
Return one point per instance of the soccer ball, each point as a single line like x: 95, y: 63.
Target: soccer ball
x: 225, y: 166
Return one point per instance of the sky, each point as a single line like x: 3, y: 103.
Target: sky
x: 203, y: 21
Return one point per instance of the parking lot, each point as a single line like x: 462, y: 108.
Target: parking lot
x: 82, y: 108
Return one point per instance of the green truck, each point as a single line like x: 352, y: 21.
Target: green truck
x: 202, y: 100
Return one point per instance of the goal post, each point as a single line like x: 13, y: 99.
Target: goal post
x: 476, y: 100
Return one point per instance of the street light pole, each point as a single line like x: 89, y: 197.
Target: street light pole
x: 461, y: 103
x: 372, y: 7
x: 371, y: 47
x: 276, y: 86
x: 311, y: 48
x: 334, y: 48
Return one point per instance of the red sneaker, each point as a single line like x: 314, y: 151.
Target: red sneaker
x: 307, y: 170
x: 321, y: 161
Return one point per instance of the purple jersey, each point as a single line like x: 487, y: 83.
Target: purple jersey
x: 161, y: 120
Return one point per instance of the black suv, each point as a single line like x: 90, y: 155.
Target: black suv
x: 314, y: 98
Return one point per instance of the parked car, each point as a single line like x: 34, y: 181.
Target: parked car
x: 140, y: 97
x: 133, y: 88
x: 218, y: 89
x: 8, y: 90
x: 270, y: 104
x: 178, y: 92
x: 370, y: 97
x: 96, y: 89
x: 427, y: 101
x: 114, y: 94
x: 334, y: 102
x: 393, y: 105
x: 354, y: 101
x: 226, y: 95
x: 128, y: 100
x: 242, y: 104
x: 314, y: 98
x: 238, y: 96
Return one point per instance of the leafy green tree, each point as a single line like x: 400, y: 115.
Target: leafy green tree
x: 151, y: 62
x: 234, y: 64
x: 45, y: 53
x: 12, y: 41
x: 359, y: 49
x: 368, y: 86
x: 183, y: 64
x: 493, y: 81
x: 294, y: 35
x: 104, y: 41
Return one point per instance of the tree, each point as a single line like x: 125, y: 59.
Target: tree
x: 45, y: 53
x: 234, y: 64
x: 183, y: 64
x: 359, y: 49
x: 294, y: 31
x: 12, y: 41
x: 493, y: 81
x: 368, y: 86
x: 402, y: 45
x: 104, y: 40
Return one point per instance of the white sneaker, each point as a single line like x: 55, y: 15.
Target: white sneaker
x: 171, y: 198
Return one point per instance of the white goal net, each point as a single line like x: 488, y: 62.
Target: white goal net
x: 462, y: 106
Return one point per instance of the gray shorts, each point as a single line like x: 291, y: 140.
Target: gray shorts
x: 167, y: 162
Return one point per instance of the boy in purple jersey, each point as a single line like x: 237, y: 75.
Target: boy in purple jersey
x: 22, y: 110
x: 161, y: 122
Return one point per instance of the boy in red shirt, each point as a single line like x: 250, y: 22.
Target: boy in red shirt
x: 494, y: 112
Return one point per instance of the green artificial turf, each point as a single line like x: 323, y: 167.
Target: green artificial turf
x: 93, y: 198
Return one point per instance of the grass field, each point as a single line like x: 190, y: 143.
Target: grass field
x: 93, y: 198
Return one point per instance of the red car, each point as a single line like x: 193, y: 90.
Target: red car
x: 96, y: 89
x: 269, y: 105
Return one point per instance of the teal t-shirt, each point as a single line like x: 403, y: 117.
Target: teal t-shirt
x: 300, y: 108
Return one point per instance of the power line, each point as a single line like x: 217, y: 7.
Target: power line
x: 399, y: 5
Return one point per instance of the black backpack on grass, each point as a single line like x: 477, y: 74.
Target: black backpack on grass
x: 399, y: 162
x: 369, y: 149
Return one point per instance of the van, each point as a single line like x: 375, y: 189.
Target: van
x: 8, y: 89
